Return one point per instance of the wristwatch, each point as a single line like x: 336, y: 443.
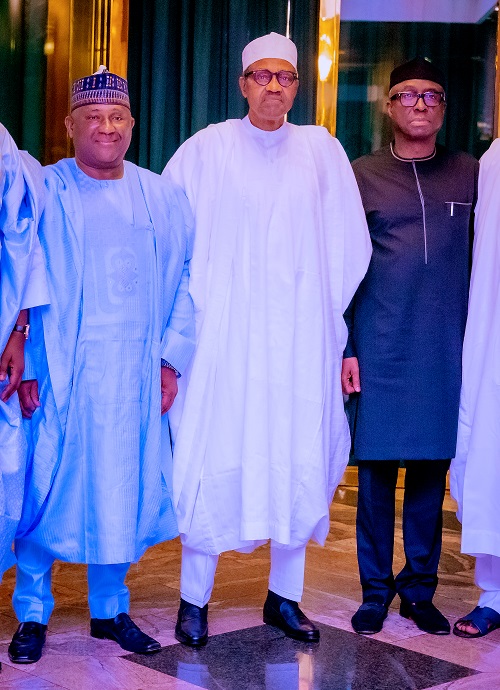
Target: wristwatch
x: 25, y: 330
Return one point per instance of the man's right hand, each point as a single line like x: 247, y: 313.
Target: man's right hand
x: 350, y: 376
x: 28, y: 397
x: 12, y: 364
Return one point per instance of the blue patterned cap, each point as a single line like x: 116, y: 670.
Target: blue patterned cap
x: 101, y: 87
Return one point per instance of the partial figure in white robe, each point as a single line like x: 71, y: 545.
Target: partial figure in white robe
x: 101, y: 371
x: 22, y: 285
x: 475, y: 471
x: 260, y: 435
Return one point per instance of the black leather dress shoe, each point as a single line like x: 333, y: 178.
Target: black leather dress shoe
x: 426, y: 617
x: 369, y: 618
x: 123, y: 630
x: 286, y: 615
x: 27, y: 643
x: 192, y: 624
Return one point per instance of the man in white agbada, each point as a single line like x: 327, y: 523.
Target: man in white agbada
x: 281, y: 244
x: 22, y: 285
x: 475, y: 471
x: 101, y: 371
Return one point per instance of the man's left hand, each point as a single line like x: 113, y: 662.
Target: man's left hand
x: 168, y: 388
x: 12, y: 364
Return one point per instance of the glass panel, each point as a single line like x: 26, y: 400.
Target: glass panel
x: 370, y: 50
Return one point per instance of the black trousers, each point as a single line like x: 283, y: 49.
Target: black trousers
x: 425, y: 485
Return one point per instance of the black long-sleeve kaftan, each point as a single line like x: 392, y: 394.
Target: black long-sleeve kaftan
x: 407, y: 319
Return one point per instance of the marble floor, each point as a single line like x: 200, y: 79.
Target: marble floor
x: 244, y: 654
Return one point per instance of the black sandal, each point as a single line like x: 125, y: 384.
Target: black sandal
x: 484, y: 619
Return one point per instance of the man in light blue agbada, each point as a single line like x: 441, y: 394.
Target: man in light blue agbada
x: 22, y: 285
x: 101, y: 371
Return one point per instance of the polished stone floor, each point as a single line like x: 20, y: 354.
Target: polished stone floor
x: 242, y: 653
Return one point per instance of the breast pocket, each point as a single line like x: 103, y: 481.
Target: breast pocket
x: 459, y: 209
x: 454, y: 234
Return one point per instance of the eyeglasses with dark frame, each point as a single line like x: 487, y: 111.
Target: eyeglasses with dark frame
x: 263, y: 77
x: 410, y: 98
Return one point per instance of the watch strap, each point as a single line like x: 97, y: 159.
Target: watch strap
x: 25, y: 330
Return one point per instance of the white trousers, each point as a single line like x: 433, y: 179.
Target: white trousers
x: 286, y: 576
x: 33, y: 600
x: 488, y: 579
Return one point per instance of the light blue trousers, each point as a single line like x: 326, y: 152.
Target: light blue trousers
x: 33, y: 601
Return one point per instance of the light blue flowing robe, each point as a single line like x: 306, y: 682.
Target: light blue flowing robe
x: 98, y: 486
x: 19, y: 209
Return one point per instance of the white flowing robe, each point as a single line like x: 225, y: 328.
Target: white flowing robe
x: 475, y: 471
x: 281, y: 244
x: 22, y: 285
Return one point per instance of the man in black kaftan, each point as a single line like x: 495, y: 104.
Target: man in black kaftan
x: 402, y: 363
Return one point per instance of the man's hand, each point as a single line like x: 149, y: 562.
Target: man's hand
x: 168, y: 388
x: 350, y: 376
x: 12, y: 364
x: 28, y: 397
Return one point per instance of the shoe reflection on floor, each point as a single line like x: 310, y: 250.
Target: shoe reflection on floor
x: 263, y: 658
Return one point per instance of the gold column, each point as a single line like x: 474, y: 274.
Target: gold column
x: 328, y: 64
x: 81, y: 35
x: 99, y: 36
x: 118, y: 37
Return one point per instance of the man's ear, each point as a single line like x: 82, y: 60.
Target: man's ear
x: 243, y: 86
x: 69, y: 122
x: 388, y: 107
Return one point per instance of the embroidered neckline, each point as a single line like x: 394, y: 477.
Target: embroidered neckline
x: 410, y: 160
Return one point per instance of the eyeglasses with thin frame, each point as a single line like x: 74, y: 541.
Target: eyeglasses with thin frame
x: 263, y: 77
x: 410, y: 98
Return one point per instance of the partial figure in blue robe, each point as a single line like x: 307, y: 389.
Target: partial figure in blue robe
x: 22, y: 285
x: 102, y: 371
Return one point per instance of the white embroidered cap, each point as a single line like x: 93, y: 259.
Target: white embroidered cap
x: 270, y: 46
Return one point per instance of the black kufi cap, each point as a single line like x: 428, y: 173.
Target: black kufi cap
x: 418, y: 68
